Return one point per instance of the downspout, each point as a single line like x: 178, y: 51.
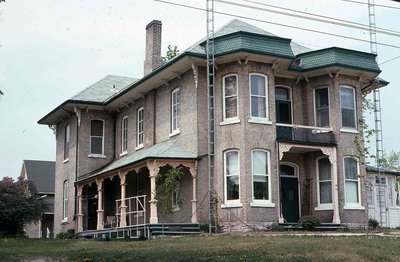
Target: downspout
x: 114, y: 132
x: 78, y: 123
x: 154, y: 116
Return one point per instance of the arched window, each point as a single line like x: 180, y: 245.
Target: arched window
x: 175, y: 110
x: 258, y: 96
x: 65, y: 200
x: 230, y: 97
x: 232, y: 176
x: 351, y: 182
x: 124, y: 134
x: 260, y: 163
x: 67, y: 138
x: 139, y: 127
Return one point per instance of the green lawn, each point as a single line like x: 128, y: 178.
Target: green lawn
x: 206, y: 248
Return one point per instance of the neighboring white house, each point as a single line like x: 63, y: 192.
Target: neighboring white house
x: 386, y: 191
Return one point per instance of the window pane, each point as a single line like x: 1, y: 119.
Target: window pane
x: 257, y: 85
x: 232, y: 183
x: 325, y: 192
x: 97, y: 128
x: 348, y: 117
x: 321, y: 97
x: 287, y: 170
x: 351, y: 192
x: 350, y: 168
x: 96, y: 145
x: 322, y: 107
x: 258, y: 107
x: 283, y: 112
x: 282, y: 94
x: 230, y: 86
x: 230, y: 107
x: 322, y: 116
x: 324, y: 169
x: 232, y: 163
x: 347, y: 97
x: 259, y: 162
x: 260, y: 187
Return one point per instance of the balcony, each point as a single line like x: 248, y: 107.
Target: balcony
x: 310, y: 135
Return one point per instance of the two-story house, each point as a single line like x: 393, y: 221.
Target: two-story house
x: 286, y: 118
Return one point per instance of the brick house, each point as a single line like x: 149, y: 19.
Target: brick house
x: 285, y: 125
x: 42, y: 174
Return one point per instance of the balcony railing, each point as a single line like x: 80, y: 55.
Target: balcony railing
x: 305, y: 134
x: 135, y: 211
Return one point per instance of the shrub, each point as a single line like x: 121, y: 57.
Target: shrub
x: 373, y: 224
x: 309, y: 222
x: 65, y: 235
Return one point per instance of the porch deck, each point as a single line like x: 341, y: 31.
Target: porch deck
x: 141, y: 232
x: 321, y: 227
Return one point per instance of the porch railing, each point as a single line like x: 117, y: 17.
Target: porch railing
x: 305, y: 134
x: 135, y: 211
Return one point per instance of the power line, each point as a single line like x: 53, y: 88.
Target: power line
x: 317, y: 15
x: 278, y: 24
x: 394, y: 58
x: 363, y: 3
x: 338, y: 21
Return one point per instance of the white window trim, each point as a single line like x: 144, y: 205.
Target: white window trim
x: 174, y: 131
x: 67, y: 126
x: 138, y: 133
x: 255, y: 118
x: 262, y: 202
x: 291, y: 99
x: 230, y: 119
x: 315, y: 105
x: 103, y: 138
x: 235, y: 202
x: 348, y: 128
x: 324, y: 206
x: 65, y: 201
x: 353, y: 205
x: 124, y: 135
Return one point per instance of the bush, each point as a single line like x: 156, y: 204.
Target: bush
x: 309, y: 222
x: 65, y: 235
x: 373, y: 224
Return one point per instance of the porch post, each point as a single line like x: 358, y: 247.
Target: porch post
x: 80, y: 204
x: 153, y: 168
x: 333, y: 159
x: 122, y: 176
x: 193, y: 171
x: 100, y: 210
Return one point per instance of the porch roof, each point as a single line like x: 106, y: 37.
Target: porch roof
x: 170, y: 149
x: 372, y: 169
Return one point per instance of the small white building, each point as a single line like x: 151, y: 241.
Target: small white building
x: 383, y: 194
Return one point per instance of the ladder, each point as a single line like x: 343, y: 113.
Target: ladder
x: 377, y: 115
x: 212, y: 210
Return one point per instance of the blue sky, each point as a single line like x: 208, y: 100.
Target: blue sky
x: 52, y: 49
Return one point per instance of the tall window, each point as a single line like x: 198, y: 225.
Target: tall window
x: 352, y: 183
x: 175, y: 110
x: 321, y: 103
x: 283, y: 105
x: 260, y: 170
x: 231, y: 175
x: 230, y: 96
x: 67, y: 137
x: 65, y: 200
x: 258, y: 93
x: 324, y: 182
x: 139, y: 127
x: 124, y: 134
x: 348, y: 106
x: 97, y: 137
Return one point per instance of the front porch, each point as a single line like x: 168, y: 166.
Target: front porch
x: 122, y: 203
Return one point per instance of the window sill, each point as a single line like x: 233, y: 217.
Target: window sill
x: 139, y: 147
x: 123, y: 153
x: 230, y: 122
x: 232, y: 205
x: 354, y: 207
x: 349, y: 130
x: 96, y: 156
x: 175, y: 132
x: 260, y: 121
x: 324, y: 207
x: 64, y: 221
x: 176, y: 209
x: 66, y: 160
x: 262, y: 204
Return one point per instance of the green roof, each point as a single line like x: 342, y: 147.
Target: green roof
x: 170, y: 149
x: 335, y: 56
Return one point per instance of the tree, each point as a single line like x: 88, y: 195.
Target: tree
x: 19, y: 205
x: 391, y: 161
x: 171, y: 53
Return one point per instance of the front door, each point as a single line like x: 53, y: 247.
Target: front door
x: 289, y: 194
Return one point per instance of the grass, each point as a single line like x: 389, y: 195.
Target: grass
x: 206, y: 248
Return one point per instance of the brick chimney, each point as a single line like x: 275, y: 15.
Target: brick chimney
x: 153, y: 47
